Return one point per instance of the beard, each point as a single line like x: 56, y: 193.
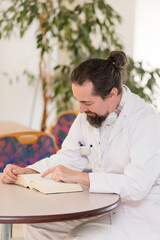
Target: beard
x: 96, y: 120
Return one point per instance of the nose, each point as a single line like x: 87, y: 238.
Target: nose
x: 82, y: 108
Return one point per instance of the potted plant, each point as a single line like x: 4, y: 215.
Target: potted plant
x: 73, y: 28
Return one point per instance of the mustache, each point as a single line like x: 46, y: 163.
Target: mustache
x: 89, y: 112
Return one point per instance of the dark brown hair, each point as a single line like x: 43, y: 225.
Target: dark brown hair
x: 104, y: 74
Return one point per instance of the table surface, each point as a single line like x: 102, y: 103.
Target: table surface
x: 22, y: 205
x: 7, y: 127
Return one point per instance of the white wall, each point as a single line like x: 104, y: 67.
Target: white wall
x: 147, y: 32
x: 126, y: 9
x: 139, y: 33
x: 16, y: 99
x: 147, y: 37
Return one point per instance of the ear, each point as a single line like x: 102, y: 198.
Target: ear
x: 113, y: 94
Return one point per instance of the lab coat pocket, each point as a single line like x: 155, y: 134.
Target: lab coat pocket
x: 95, y: 160
x: 85, y: 150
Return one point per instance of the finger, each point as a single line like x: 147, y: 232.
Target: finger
x: 55, y: 177
x: 7, y: 179
x: 50, y: 170
x: 8, y: 172
x: 18, y: 170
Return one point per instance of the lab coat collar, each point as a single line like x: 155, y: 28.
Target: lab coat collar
x: 123, y: 116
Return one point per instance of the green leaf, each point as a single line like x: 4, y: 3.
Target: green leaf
x: 74, y: 30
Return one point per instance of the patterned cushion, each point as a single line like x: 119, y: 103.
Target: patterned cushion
x: 62, y: 126
x: 14, y: 152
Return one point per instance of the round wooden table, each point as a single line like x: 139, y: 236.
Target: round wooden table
x: 22, y: 205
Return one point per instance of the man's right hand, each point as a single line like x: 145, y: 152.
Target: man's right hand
x: 11, y: 171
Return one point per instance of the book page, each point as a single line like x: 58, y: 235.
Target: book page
x: 24, y: 179
x: 46, y: 185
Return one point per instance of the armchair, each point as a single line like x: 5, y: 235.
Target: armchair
x: 25, y: 148
x: 63, y: 123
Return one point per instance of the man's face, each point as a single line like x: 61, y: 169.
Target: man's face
x: 96, y: 108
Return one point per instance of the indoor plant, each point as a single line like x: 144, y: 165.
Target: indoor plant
x: 73, y: 28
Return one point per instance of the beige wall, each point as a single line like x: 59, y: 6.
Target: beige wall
x: 126, y: 8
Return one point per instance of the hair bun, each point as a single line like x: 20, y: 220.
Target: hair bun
x: 118, y: 58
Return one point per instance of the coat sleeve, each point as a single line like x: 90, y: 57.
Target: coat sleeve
x: 70, y: 155
x: 144, y: 168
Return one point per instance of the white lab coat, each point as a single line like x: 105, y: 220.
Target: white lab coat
x: 125, y: 159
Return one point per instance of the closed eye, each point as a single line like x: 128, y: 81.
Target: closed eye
x: 86, y: 103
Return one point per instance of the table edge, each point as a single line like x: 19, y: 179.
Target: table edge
x: 59, y: 217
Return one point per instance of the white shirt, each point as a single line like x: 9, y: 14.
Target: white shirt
x: 125, y: 159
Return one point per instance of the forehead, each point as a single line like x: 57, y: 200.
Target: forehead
x: 83, y: 92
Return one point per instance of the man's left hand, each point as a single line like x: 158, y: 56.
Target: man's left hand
x: 60, y: 173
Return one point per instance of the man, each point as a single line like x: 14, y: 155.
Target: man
x: 119, y: 135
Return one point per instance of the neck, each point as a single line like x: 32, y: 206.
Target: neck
x: 118, y: 100
x: 116, y: 103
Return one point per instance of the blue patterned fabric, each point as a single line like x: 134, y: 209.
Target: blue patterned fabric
x: 14, y: 152
x: 62, y: 126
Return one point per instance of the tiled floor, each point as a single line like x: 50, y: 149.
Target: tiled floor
x: 17, y: 232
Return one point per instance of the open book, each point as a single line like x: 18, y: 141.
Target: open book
x: 46, y: 185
